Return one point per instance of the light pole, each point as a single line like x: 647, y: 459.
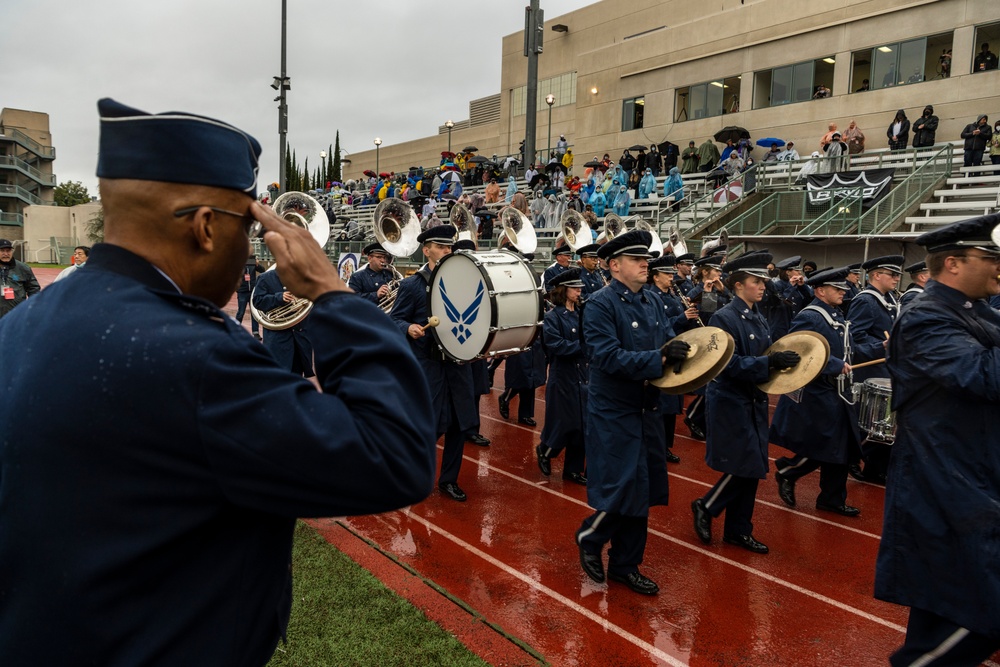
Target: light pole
x: 322, y: 169
x: 378, y: 142
x: 449, y: 124
x: 281, y: 84
x: 550, y: 99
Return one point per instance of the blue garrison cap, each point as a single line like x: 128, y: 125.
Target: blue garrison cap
x: 440, y: 234
x: 569, y: 278
x: 175, y: 147
x: 665, y: 264
x: 634, y: 243
x: 755, y: 264
x: 972, y: 233
x: 893, y: 263
x: 588, y: 250
x: 833, y: 277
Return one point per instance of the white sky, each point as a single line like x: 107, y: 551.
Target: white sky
x: 395, y: 69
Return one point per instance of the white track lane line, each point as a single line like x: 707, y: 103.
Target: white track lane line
x: 604, y: 623
x: 746, y: 568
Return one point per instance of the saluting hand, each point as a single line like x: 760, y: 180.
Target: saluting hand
x: 302, y: 265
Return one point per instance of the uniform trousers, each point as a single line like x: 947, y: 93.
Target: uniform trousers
x: 669, y: 424
x: 876, y: 457
x: 934, y: 641
x: 242, y: 299
x: 525, y: 401
x: 576, y: 455
x: 451, y: 458
x: 627, y: 535
x: 735, y: 495
x: 832, y: 477
x: 696, y: 412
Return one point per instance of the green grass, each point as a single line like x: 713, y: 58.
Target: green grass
x: 342, y: 615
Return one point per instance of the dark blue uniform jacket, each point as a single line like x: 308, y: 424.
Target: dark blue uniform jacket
x: 871, y: 315
x: 940, y: 548
x: 569, y: 375
x: 784, y: 301
x: 553, y: 270
x: 626, y: 446
x: 148, y: 495
x: 284, y: 344
x: 673, y: 310
x: 366, y: 282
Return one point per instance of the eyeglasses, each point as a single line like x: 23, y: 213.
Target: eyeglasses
x: 254, y: 228
x: 995, y: 259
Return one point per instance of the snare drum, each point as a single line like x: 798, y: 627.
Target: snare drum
x: 489, y: 304
x: 874, y: 414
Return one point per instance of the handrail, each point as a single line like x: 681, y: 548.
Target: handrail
x: 32, y: 172
x: 26, y: 195
x: 905, y: 194
x: 20, y: 137
x: 697, y: 207
x: 12, y: 219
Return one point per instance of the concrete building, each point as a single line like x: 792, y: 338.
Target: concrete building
x: 629, y: 72
x: 26, y: 157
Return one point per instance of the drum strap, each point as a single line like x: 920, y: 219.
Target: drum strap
x: 844, y: 382
x: 890, y: 305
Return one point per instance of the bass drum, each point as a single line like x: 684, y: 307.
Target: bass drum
x: 489, y: 305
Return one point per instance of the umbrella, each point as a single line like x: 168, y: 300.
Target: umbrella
x: 770, y: 141
x: 479, y: 159
x: 552, y: 166
x: 447, y: 154
x: 593, y: 164
x: 469, y: 149
x: 536, y: 179
x: 638, y: 147
x: 729, y: 193
x: 369, y: 172
x: 731, y: 133
x: 383, y: 175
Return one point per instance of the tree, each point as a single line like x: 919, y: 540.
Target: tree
x: 329, y: 166
x: 335, y: 169
x: 95, y: 227
x: 71, y: 193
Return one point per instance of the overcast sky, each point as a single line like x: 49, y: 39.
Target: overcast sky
x: 395, y: 69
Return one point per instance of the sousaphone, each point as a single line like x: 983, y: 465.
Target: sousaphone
x: 518, y: 230
x: 814, y: 352
x: 711, y: 350
x: 675, y: 243
x: 613, y: 226
x: 397, y: 227
x: 656, y: 246
x: 575, y: 229
x: 461, y: 218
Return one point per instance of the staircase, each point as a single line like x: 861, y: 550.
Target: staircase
x: 974, y: 191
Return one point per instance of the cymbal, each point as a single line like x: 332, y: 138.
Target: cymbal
x: 711, y: 349
x: 814, y: 352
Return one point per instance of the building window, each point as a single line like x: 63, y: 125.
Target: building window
x: 702, y: 100
x: 800, y: 82
x: 987, y: 45
x: 632, y: 113
x: 562, y: 87
x: 901, y: 63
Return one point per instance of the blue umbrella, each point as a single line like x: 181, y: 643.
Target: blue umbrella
x: 770, y: 141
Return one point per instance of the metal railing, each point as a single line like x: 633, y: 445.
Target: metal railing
x: 28, y: 170
x: 11, y: 219
x: 911, y: 190
x: 18, y: 191
x: 699, y: 213
x: 20, y: 137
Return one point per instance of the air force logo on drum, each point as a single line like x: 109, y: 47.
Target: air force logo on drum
x: 467, y: 317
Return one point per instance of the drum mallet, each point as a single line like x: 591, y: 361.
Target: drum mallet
x: 432, y: 321
x: 867, y: 363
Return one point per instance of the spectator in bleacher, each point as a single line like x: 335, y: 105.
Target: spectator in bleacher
x: 492, y: 192
x: 647, y: 184
x: 537, y: 207
x: 653, y: 160
x: 606, y: 162
x: 561, y: 146
x: 511, y: 190
x: 828, y: 137
x: 749, y: 176
x: 727, y: 151
x: 673, y: 186
x: 510, y: 166
x: 836, y: 151
x: 627, y: 162
x: 599, y: 202
x: 977, y: 136
x: 924, y: 128
x: 588, y: 190
x: 530, y: 173
x: 429, y: 207
x: 789, y: 154
x: 670, y: 156
x: 708, y: 156
x: 558, y: 179
x: 634, y: 179
x: 744, y: 148
x: 520, y: 202
x: 640, y: 162
x: 810, y: 167
x: 574, y: 185
x: 985, y: 59
x: 772, y: 155
x: 854, y: 138
x: 573, y: 202
x: 899, y: 131
x: 619, y: 177
x: 689, y: 159
x: 995, y: 147
x: 567, y: 160
x: 590, y: 216
x: 555, y: 205
x: 622, y: 201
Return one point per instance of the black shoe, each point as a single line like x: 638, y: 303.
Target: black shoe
x: 855, y: 471
x: 672, y: 458
x: 544, y: 464
x: 702, y: 521
x: 747, y: 542
x: 478, y: 439
x: 591, y: 563
x: 576, y: 478
x: 504, y: 407
x: 843, y: 510
x: 636, y: 582
x: 453, y: 491
x: 696, y: 431
x: 528, y: 421
x: 786, y: 489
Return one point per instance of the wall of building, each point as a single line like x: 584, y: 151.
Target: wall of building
x: 693, y: 41
x: 67, y: 223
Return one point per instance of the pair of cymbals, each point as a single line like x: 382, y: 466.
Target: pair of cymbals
x: 814, y: 352
x: 711, y: 350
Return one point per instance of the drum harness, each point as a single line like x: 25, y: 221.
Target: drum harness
x: 845, y: 381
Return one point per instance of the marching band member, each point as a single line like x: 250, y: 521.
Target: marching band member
x: 450, y: 383
x: 820, y: 426
x: 625, y: 330
x: 569, y: 373
x: 480, y: 372
x: 373, y: 282
x: 737, y: 409
x: 523, y: 373
x: 919, y: 275
x: 853, y: 278
x: 177, y: 504
x: 786, y: 296
x: 685, y: 266
x: 938, y: 553
x: 872, y: 313
x: 560, y: 263
x: 709, y: 293
x: 290, y: 347
x: 591, y: 275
